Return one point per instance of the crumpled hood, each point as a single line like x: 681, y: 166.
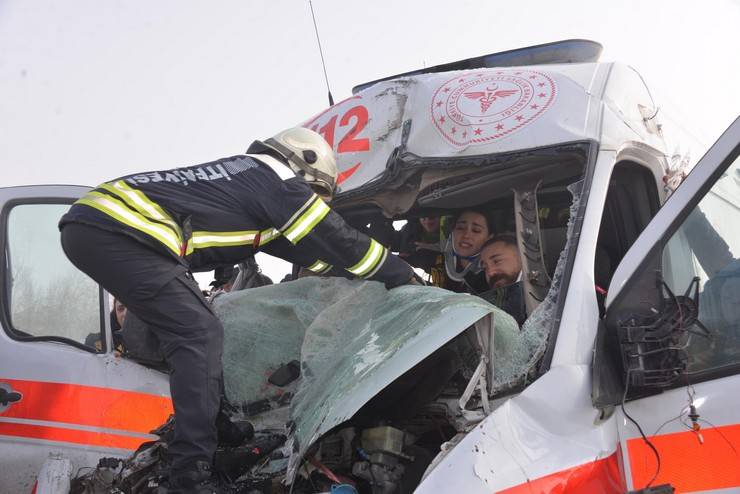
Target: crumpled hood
x: 353, y: 338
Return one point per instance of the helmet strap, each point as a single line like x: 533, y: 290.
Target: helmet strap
x: 299, y: 161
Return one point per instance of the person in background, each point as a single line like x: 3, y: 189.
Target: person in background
x: 502, y: 265
x: 117, y: 316
x: 223, y: 278
x: 420, y: 242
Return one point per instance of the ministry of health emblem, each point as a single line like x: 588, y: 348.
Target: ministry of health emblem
x: 477, y: 108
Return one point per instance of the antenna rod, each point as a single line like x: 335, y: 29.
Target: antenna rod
x: 321, y: 52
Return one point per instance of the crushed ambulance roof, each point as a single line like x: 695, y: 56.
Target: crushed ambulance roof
x: 460, y: 113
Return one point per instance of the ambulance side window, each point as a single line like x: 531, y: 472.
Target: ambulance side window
x: 47, y: 297
x: 707, y: 247
x: 631, y: 202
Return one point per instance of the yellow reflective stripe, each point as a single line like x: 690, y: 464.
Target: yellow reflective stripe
x: 202, y: 240
x: 122, y: 213
x: 138, y: 201
x: 372, y: 272
x: 268, y: 235
x: 372, y: 260
x: 300, y: 211
x: 319, y: 267
x: 307, y: 221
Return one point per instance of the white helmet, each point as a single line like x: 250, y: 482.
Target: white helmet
x: 309, y: 156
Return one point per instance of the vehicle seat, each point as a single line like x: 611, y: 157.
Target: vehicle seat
x: 553, y: 242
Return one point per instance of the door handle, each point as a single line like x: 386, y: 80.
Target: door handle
x: 8, y: 396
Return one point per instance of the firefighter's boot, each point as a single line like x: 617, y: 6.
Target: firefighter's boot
x: 232, y: 433
x: 195, y: 481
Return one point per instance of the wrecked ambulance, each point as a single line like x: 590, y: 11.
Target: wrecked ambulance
x: 623, y: 376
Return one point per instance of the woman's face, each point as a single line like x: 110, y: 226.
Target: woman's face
x: 471, y: 232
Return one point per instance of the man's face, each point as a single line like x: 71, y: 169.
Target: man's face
x: 120, y: 312
x: 501, y: 264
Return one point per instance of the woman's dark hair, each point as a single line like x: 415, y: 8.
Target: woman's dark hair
x: 114, y: 326
x: 476, y: 210
x: 506, y: 238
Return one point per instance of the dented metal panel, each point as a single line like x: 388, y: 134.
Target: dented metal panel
x: 537, y: 442
x: 461, y: 113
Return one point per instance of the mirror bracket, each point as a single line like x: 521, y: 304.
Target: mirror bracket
x: 654, y: 346
x: 535, y: 280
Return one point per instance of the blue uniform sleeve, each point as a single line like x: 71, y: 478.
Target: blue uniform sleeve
x: 311, y: 226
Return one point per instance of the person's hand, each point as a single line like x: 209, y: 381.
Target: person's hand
x: 416, y: 280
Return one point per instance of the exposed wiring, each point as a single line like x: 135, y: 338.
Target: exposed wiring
x: 718, y: 431
x: 339, y: 479
x: 695, y: 418
x: 655, y: 114
x: 308, y: 475
x: 693, y: 415
x: 644, y: 437
x: 678, y: 418
x: 689, y: 411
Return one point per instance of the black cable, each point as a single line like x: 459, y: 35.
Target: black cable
x: 680, y: 320
x: 308, y: 475
x: 644, y: 437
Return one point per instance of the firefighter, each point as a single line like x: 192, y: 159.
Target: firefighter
x: 140, y: 237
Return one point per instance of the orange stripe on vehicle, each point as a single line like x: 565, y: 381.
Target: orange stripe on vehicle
x: 60, y: 434
x: 88, y: 405
x: 600, y: 476
x: 687, y: 464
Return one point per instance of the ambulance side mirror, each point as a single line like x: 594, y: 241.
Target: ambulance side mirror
x: 619, y: 334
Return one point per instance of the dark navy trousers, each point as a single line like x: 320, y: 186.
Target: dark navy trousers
x: 161, y: 293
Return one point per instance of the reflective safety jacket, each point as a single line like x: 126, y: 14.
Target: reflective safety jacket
x: 221, y: 212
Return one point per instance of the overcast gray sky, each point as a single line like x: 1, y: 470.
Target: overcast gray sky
x: 95, y: 89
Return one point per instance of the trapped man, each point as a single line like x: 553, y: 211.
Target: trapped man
x: 499, y: 259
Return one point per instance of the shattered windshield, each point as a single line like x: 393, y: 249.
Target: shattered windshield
x: 532, y: 341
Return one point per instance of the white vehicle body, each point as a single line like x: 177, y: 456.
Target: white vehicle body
x: 551, y: 436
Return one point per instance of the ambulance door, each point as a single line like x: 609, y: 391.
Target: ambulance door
x: 674, y: 304
x: 63, y: 389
